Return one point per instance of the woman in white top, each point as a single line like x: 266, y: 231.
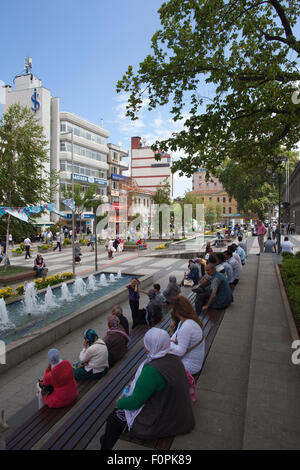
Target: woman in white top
x: 93, y: 358
x: 188, y: 340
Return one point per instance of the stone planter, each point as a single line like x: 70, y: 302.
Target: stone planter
x: 12, y: 278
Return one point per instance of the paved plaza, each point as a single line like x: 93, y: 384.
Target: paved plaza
x: 248, y: 392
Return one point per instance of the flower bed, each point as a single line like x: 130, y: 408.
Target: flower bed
x: 49, y: 281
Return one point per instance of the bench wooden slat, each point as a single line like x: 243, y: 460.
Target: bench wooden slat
x: 35, y: 427
x: 96, y: 404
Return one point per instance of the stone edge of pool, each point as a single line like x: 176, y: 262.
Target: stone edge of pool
x: 21, y: 349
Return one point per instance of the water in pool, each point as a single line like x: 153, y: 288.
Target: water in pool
x: 37, y: 310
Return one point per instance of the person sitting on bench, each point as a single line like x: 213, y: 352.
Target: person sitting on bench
x: 219, y: 296
x: 93, y: 358
x: 117, y: 310
x: 172, y: 290
x: 40, y: 266
x: 221, y: 261
x: 158, y: 403
x: 152, y: 314
x: 192, y: 277
x: 187, y: 339
x: 58, y: 387
x: 116, y: 340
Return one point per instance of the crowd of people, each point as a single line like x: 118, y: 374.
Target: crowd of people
x: 166, y: 377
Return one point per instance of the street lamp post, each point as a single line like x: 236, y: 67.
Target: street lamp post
x: 73, y: 212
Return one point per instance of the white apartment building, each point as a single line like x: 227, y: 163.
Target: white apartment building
x: 149, y: 173
x: 90, y: 150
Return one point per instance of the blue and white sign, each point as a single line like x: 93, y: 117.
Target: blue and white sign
x: 36, y: 103
x: 116, y: 177
x: 90, y: 179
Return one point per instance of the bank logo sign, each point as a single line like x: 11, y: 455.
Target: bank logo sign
x: 36, y: 103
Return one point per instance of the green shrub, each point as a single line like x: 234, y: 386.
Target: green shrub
x: 290, y: 271
x: 285, y: 254
x: 66, y: 242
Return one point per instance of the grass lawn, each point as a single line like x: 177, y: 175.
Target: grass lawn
x: 14, y: 270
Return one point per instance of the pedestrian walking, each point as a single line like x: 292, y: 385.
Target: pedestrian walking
x: 58, y: 241
x: 261, y: 230
x: 27, y: 243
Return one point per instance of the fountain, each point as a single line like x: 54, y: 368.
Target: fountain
x: 65, y: 293
x: 119, y: 275
x: 4, y: 320
x: 38, y: 309
x: 50, y: 300
x: 30, y: 299
x: 79, y: 287
x: 91, y: 283
x: 103, y: 281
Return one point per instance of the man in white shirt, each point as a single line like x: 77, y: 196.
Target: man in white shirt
x: 236, y: 267
x: 27, y: 243
x: 287, y: 246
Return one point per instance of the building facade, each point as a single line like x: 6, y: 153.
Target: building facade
x: 149, y: 173
x: 199, y: 183
x: 90, y: 148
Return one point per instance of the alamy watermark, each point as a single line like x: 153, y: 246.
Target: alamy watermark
x: 162, y: 221
x: 296, y: 354
x: 2, y: 352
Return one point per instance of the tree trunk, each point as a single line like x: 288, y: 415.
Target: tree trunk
x: 7, y: 237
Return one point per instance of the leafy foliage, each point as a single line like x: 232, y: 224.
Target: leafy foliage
x: 245, y: 50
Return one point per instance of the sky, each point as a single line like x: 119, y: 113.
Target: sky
x: 79, y: 51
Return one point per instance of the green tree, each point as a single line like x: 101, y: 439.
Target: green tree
x: 23, y: 155
x: 210, y: 213
x: 247, y: 52
x: 84, y: 199
x: 255, y: 189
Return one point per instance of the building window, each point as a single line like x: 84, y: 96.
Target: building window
x: 224, y: 199
x: 210, y: 198
x: 215, y: 184
x: 230, y: 199
x: 207, y: 184
x: 229, y: 210
x: 218, y: 199
x: 224, y: 210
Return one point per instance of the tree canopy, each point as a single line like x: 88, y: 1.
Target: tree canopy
x: 23, y: 155
x: 247, y: 51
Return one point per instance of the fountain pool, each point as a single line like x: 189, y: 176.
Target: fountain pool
x: 40, y: 309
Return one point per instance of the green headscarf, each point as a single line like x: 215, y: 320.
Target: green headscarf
x: 91, y: 336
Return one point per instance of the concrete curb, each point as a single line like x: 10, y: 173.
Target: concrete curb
x: 24, y: 347
x: 289, y: 314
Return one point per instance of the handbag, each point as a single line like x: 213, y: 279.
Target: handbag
x: 46, y: 390
x: 188, y: 282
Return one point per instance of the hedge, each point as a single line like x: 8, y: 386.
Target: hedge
x: 290, y: 272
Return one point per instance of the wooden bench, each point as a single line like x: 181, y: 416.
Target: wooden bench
x: 79, y: 430
x: 39, y: 422
x: 81, y: 427
x: 211, y: 321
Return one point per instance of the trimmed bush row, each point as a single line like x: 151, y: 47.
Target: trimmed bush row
x: 290, y: 271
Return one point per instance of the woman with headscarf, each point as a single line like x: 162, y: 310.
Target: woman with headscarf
x: 116, y: 340
x: 59, y: 377
x: 93, y: 358
x: 150, y: 408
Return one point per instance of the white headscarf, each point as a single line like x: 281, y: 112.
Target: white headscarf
x: 157, y: 343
